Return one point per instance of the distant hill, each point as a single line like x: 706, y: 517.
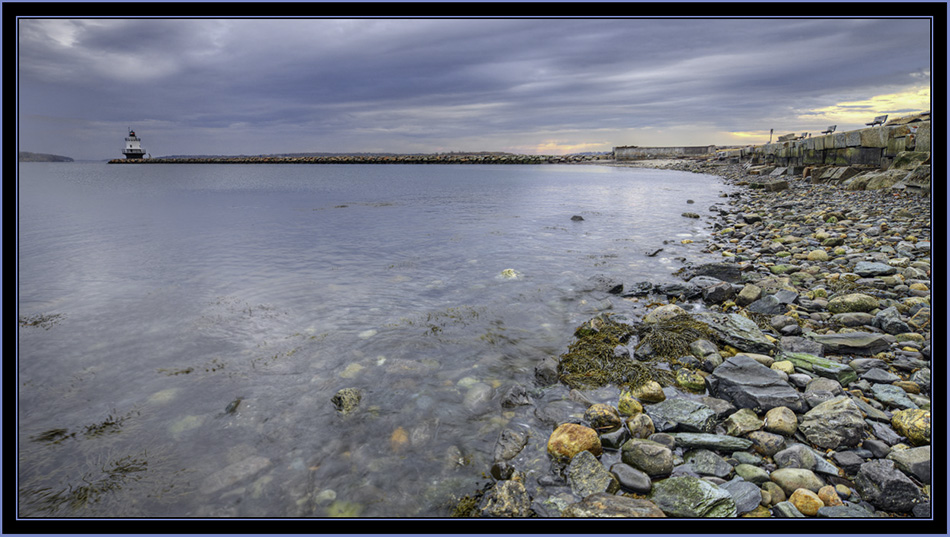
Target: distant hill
x: 26, y: 156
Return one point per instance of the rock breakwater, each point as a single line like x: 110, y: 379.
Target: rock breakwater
x: 373, y: 159
x: 803, y: 389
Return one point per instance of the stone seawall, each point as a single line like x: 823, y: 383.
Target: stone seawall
x: 874, y: 146
x: 641, y: 153
x: 374, y: 159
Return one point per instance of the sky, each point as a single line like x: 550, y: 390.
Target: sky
x: 233, y: 86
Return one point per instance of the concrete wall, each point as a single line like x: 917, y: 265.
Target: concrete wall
x: 637, y: 153
x: 873, y: 146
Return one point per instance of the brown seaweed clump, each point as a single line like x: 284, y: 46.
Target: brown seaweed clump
x: 600, y: 354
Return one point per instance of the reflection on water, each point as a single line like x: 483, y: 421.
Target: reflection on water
x: 184, y: 328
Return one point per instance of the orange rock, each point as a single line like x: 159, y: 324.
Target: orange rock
x: 569, y: 439
x: 829, y: 495
x: 398, y: 439
x: 806, y: 501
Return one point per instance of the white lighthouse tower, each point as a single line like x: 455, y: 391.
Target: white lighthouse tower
x: 133, y: 146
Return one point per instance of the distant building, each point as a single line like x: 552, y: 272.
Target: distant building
x: 133, y: 146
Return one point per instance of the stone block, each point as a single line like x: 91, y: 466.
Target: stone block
x: 852, y: 139
x: 922, y: 138
x: 895, y: 146
x: 874, y: 137
x: 838, y: 139
x: 867, y: 156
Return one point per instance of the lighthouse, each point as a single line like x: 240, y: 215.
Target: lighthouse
x: 133, y: 146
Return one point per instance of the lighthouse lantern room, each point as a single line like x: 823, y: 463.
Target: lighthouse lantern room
x: 133, y: 146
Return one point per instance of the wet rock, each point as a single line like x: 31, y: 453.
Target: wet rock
x: 603, y: 505
x: 640, y: 426
x: 602, y: 417
x: 749, y: 384
x: 507, y: 499
x: 652, y: 458
x: 887, y: 488
x: 234, y: 473
x: 587, y: 476
x: 706, y: 462
x: 631, y: 479
x: 569, y: 439
x: 691, y: 497
x: 515, y: 396
x: 347, y: 399
x: 717, y: 442
x: 681, y: 415
x: 510, y: 442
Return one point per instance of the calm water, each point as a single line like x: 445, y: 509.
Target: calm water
x: 160, y: 295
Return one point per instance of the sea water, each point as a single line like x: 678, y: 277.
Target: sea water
x: 183, y: 328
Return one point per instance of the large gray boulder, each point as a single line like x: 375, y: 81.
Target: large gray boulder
x: 736, y: 331
x: 749, y: 384
x: 692, y: 497
x: 886, y: 487
x: 836, y: 422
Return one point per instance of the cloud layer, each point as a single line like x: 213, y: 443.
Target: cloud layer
x: 239, y: 86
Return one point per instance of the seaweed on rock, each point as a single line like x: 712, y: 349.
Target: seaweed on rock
x: 600, y: 356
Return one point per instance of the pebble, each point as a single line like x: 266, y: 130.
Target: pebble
x: 811, y: 396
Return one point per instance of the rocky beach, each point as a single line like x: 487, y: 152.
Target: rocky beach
x: 791, y: 379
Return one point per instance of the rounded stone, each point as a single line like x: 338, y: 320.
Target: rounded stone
x: 628, y: 405
x: 792, y: 479
x: 690, y: 380
x: 649, y: 457
x: 806, y: 501
x: 569, y: 439
x: 829, y: 495
x: 854, y: 302
x: 781, y: 420
x: 785, y: 366
x: 631, y: 478
x: 663, y: 313
x: 640, y: 426
x: 776, y: 494
x: 649, y: 392
x: 603, y: 417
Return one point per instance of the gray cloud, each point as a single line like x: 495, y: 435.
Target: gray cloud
x: 239, y: 86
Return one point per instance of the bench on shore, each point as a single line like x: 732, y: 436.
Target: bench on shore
x: 830, y: 130
x: 803, y: 136
x: 879, y: 120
